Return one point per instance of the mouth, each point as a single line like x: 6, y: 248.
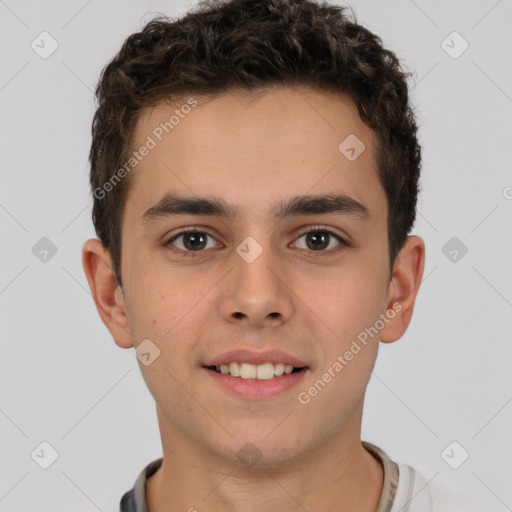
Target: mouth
x: 248, y: 371
x: 256, y: 375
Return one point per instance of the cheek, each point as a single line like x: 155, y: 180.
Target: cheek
x: 349, y: 302
x: 349, y: 348
x: 158, y: 302
x: 169, y: 311
x: 351, y: 311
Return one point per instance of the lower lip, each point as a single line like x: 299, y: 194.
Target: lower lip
x: 257, y: 389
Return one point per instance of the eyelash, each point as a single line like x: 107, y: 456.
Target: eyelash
x: 314, y: 229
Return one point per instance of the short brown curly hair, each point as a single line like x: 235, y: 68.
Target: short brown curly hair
x: 220, y: 46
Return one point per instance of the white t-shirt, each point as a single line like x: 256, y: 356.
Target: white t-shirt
x: 406, y: 490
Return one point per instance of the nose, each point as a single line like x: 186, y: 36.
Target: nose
x: 256, y: 292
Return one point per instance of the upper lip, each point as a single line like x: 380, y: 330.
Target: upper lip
x: 253, y: 357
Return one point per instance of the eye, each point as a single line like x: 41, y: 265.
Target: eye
x: 319, y: 238
x: 192, y: 241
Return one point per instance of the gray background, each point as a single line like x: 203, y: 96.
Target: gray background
x: 63, y: 380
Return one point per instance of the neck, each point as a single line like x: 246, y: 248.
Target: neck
x: 340, y: 475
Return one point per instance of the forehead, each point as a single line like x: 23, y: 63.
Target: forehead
x: 251, y: 148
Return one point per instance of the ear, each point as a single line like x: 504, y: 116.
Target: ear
x: 107, y: 295
x: 403, y: 288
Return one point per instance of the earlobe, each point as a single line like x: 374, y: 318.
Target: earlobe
x: 106, y: 293
x: 403, y: 288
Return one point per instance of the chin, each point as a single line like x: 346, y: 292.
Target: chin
x: 261, y: 452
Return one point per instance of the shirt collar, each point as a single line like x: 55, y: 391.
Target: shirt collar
x: 387, y: 496
x: 135, y: 500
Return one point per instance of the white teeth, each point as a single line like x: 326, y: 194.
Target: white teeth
x: 234, y: 369
x: 264, y: 371
x: 248, y: 371
x: 278, y: 369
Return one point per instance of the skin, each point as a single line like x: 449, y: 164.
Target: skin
x: 254, y: 151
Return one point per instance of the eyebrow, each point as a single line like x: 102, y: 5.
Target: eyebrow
x: 173, y: 205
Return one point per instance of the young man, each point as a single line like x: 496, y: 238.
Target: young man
x: 255, y: 169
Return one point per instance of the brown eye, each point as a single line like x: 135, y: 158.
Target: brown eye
x: 318, y: 240
x: 192, y: 241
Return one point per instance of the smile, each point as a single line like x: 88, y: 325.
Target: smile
x: 265, y: 371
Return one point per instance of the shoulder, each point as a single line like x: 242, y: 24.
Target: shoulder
x: 412, y: 491
x: 420, y: 495
x: 446, y: 500
x: 127, y: 503
x: 135, y: 499
x: 405, y: 488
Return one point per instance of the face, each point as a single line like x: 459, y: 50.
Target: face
x: 263, y: 277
